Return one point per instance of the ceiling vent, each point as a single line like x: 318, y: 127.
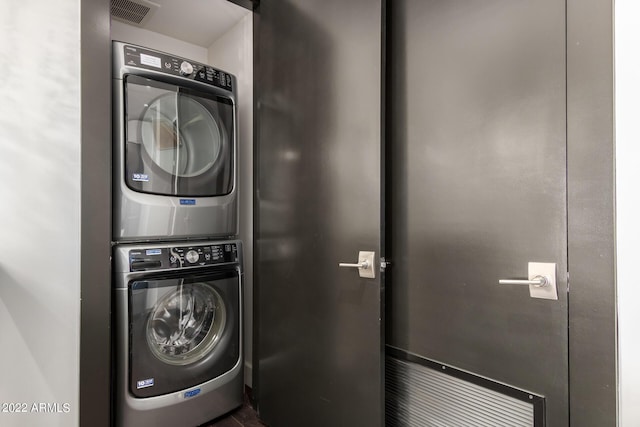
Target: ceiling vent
x: 133, y: 12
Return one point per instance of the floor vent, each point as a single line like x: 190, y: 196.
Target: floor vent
x: 429, y: 396
x: 133, y: 12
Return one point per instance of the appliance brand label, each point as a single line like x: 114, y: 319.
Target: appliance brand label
x: 141, y: 177
x: 187, y: 201
x: 191, y: 393
x: 145, y: 383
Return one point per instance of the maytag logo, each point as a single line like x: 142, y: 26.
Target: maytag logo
x: 145, y: 383
x: 191, y: 393
x: 188, y: 202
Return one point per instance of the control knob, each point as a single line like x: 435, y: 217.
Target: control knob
x: 186, y: 69
x: 192, y: 256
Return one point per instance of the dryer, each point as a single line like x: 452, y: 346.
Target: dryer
x: 177, y: 333
x: 175, y: 145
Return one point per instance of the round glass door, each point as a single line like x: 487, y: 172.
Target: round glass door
x: 179, y: 141
x: 186, y: 324
x: 181, y: 136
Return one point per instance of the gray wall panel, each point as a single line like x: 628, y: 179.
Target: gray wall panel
x: 95, y: 286
x: 592, y: 316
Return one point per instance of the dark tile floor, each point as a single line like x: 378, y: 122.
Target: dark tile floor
x: 244, y: 416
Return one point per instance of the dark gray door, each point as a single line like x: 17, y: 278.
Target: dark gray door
x: 318, y: 199
x: 479, y: 189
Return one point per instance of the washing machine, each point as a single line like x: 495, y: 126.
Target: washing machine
x: 174, y: 157
x: 177, y: 332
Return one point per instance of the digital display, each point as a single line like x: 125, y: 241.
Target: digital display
x: 153, y: 251
x: 152, y: 61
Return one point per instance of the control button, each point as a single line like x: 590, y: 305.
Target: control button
x: 186, y: 68
x: 167, y: 65
x: 192, y: 256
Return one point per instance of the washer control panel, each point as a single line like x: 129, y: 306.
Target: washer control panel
x: 138, y: 57
x: 167, y: 258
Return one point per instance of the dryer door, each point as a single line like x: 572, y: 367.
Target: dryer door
x: 179, y: 141
x: 183, y: 331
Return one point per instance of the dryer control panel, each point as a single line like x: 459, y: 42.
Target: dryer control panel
x: 168, y: 258
x: 135, y: 56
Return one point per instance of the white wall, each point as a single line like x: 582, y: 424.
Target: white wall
x: 233, y: 52
x: 130, y: 34
x: 39, y: 211
x: 627, y: 36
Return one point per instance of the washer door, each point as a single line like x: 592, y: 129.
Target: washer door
x: 179, y: 141
x: 186, y: 324
x: 183, y: 331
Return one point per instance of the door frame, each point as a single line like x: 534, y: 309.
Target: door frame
x: 94, y: 388
x: 591, y: 213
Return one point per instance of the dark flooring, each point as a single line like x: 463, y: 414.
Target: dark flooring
x: 244, y: 416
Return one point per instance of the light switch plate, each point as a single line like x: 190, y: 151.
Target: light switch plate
x: 548, y: 270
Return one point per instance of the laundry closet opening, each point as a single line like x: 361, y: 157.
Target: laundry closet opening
x: 215, y: 39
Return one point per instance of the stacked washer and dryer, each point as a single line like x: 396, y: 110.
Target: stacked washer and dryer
x: 177, y: 267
